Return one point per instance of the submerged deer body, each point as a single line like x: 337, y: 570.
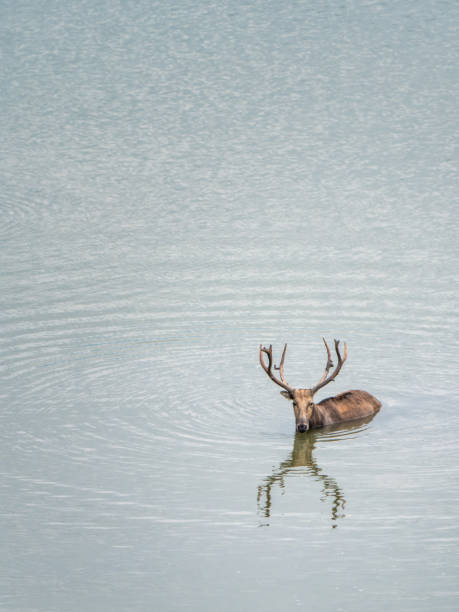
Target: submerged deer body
x: 347, y: 406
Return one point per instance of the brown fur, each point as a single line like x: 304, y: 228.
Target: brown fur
x: 347, y: 406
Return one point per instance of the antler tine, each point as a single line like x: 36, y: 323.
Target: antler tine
x: 281, y: 366
x: 268, y: 369
x: 328, y: 365
x: 269, y: 352
x: 324, y: 380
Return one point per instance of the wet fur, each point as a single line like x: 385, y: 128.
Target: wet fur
x: 347, y: 406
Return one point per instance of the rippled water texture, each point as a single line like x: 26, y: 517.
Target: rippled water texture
x: 182, y: 181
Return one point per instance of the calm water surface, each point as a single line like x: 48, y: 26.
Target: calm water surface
x: 180, y: 182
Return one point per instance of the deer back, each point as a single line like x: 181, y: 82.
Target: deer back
x: 346, y: 406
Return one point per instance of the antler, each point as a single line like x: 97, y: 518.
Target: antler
x: 282, y: 382
x: 324, y: 380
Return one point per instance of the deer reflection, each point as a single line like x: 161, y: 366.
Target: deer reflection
x: 302, y: 457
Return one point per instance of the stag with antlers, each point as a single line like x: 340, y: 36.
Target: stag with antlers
x: 347, y: 406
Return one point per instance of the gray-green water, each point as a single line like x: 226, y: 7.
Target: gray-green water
x: 180, y: 182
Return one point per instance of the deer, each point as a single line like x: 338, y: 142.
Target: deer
x: 347, y: 406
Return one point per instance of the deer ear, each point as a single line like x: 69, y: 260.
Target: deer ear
x: 286, y: 394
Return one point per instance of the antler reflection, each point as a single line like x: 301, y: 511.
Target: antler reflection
x: 302, y: 456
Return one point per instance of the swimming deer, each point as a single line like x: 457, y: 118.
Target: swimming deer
x: 346, y: 406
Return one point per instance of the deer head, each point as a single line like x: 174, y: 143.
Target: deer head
x: 303, y: 404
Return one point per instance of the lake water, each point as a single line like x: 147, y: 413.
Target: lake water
x: 180, y: 182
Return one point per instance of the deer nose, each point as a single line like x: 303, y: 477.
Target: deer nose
x: 302, y: 427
